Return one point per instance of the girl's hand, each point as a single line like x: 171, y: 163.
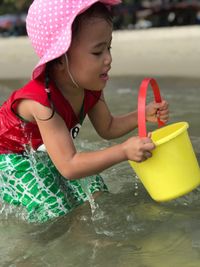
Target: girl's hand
x: 157, y: 110
x: 138, y: 149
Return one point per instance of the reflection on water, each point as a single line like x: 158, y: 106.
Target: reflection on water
x: 127, y: 228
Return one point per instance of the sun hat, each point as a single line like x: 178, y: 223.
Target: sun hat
x: 49, y: 25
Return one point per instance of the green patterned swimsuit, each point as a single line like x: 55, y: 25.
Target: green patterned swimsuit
x: 34, y: 183
x: 30, y: 179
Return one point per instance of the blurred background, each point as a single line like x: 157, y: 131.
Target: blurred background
x: 131, y: 14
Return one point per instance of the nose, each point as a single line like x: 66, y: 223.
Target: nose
x: 108, y: 58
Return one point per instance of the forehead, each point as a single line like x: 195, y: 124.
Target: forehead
x: 94, y: 28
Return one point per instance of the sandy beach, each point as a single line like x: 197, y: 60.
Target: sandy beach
x: 168, y: 52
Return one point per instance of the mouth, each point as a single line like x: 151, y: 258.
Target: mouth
x: 104, y: 76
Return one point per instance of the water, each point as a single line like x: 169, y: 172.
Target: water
x: 126, y: 227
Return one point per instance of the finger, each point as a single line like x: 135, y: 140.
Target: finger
x: 141, y: 159
x: 144, y: 158
x: 163, y: 115
x: 149, y: 135
x: 164, y: 106
x: 147, y: 154
x: 148, y: 145
x: 160, y: 112
x: 146, y: 140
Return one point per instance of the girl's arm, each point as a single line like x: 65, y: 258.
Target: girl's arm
x: 109, y: 127
x: 68, y: 161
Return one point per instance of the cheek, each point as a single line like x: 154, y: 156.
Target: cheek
x: 87, y: 75
x: 85, y: 70
x: 89, y: 69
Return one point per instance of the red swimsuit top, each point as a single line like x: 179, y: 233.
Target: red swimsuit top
x: 16, y: 133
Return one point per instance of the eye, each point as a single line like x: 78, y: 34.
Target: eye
x: 97, y: 53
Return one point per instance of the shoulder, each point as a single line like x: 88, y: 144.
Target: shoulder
x: 91, y: 98
x: 33, y: 87
x: 33, y: 90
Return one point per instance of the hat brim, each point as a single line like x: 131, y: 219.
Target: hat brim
x: 62, y: 45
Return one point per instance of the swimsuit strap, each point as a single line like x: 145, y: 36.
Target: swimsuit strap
x: 82, y: 113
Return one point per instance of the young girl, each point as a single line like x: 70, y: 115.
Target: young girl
x: 73, y: 40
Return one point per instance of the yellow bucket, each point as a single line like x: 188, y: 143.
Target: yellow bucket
x: 173, y: 169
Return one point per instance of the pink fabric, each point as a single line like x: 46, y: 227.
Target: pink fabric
x: 49, y: 27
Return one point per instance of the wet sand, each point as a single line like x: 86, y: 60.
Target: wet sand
x: 168, y: 52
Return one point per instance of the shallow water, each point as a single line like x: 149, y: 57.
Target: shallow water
x: 128, y: 228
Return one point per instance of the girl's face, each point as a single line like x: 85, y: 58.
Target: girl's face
x: 89, y: 54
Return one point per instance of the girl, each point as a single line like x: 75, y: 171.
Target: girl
x: 73, y: 40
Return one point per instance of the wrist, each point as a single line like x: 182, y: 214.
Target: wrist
x: 123, y: 149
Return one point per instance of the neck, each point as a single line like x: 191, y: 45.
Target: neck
x: 66, y: 87
x: 68, y: 90
x: 74, y: 95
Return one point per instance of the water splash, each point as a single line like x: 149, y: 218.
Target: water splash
x: 97, y: 213
x: 8, y: 211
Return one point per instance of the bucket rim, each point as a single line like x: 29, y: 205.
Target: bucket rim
x: 166, y: 139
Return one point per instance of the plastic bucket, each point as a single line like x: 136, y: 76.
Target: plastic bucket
x: 173, y: 169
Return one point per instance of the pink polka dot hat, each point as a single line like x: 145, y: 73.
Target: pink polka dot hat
x: 49, y: 27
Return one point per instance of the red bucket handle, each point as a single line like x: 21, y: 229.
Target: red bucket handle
x: 142, y: 104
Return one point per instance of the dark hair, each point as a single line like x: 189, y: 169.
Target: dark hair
x: 97, y: 10
x: 47, y: 89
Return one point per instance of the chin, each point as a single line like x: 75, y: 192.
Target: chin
x: 96, y: 88
x: 100, y: 88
